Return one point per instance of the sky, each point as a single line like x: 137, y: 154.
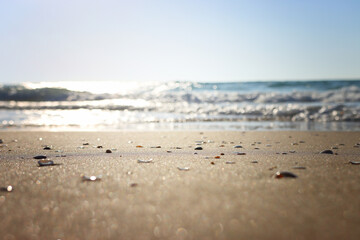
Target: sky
x: 162, y: 40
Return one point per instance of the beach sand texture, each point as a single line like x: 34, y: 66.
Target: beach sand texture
x: 231, y: 197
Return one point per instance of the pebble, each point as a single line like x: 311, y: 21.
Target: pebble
x: 139, y: 146
x: 108, y: 151
x: 85, y: 144
x: 238, y: 146
x: 92, y: 178
x: 40, y: 157
x: 183, y: 168
x: 212, y: 163
x: 134, y: 185
x: 144, y: 161
x: 217, y: 157
x: 327, y: 152
x: 47, y: 148
x: 1, y: 141
x: 292, y: 151
x: 285, y: 175
x: 254, y: 162
x: 198, y: 148
x: 99, y: 146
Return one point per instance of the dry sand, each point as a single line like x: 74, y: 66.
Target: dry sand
x: 158, y: 201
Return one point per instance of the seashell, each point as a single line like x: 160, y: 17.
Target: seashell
x: 7, y: 189
x: 44, y: 163
x: 183, y: 168
x: 285, y: 175
x: 198, y: 148
x: 354, y: 163
x: 144, y: 161
x: 327, y: 152
x: 92, y: 178
x: 40, y: 157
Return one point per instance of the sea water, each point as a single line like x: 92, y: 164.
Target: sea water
x: 183, y: 105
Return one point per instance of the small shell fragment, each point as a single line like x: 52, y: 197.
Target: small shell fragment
x: 354, y: 163
x: 92, y: 178
x: 40, y: 157
x: 144, y: 161
x: 299, y: 167
x: 240, y: 153
x: 183, y: 168
x: 7, y: 189
x: 44, y: 163
x: 285, y: 175
x: 327, y: 152
x: 230, y: 162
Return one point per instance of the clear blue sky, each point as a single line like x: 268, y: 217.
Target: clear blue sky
x: 203, y: 40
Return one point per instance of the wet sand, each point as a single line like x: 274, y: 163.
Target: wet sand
x: 212, y: 200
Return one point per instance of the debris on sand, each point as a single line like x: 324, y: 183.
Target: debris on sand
x: 40, y: 157
x: 144, y: 161
x: 327, y: 151
x: 92, y: 178
x: 183, y: 168
x: 7, y: 189
x: 285, y: 175
x: 108, y: 151
x: 45, y: 163
x: 299, y: 167
x: 198, y: 148
x: 354, y: 163
x: 230, y: 162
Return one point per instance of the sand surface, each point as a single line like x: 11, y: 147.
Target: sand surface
x: 212, y: 200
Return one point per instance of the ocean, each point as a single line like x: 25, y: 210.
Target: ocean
x: 181, y: 105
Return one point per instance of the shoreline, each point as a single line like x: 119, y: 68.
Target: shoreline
x: 230, y: 197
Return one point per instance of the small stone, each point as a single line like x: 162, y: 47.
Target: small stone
x: 108, y: 151
x: 1, y: 141
x: 285, y: 175
x: 222, y: 154
x: 40, y: 157
x: 212, y: 163
x: 139, y: 146
x: 217, y: 157
x: 133, y: 185
x: 85, y: 144
x: 238, y: 146
x: 198, y: 148
x: 327, y: 152
x: 254, y: 162
x: 47, y: 148
x: 99, y: 147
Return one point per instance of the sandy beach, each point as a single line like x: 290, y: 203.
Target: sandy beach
x: 227, y: 190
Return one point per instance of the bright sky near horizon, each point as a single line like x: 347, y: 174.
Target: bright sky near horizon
x: 200, y: 40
